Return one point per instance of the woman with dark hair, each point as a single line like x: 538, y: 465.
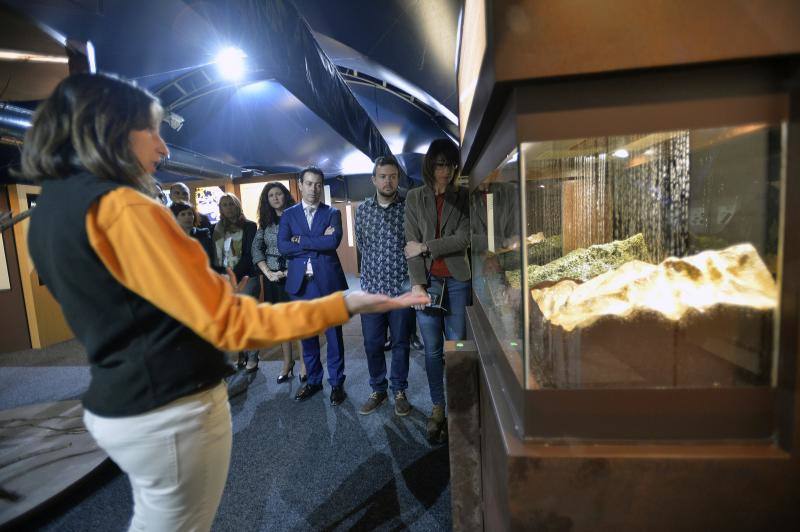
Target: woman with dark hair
x: 274, y: 199
x: 188, y: 220
x: 437, y: 237
x: 139, y: 297
x: 233, y: 244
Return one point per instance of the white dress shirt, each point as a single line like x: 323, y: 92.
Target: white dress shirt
x: 310, y: 211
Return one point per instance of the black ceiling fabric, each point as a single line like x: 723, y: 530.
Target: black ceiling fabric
x: 416, y: 39
x: 263, y: 123
x: 292, y: 56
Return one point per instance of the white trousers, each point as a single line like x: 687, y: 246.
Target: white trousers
x: 176, y: 458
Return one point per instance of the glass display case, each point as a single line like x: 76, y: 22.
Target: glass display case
x: 634, y: 261
x: 636, y: 271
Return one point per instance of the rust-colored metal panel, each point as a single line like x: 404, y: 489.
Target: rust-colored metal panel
x: 464, y: 434
x: 494, y: 466
x: 580, y: 493
x: 551, y: 38
x: 788, y: 392
x: 585, y: 485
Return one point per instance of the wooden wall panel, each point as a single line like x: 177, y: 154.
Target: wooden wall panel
x: 46, y: 322
x: 14, y: 334
x: 347, y: 252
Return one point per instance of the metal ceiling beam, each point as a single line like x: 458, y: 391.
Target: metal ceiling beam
x: 445, y: 124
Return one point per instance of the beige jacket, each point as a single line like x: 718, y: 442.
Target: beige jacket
x: 420, y: 226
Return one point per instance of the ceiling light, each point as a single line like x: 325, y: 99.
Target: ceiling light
x: 621, y: 153
x: 230, y: 63
x: 356, y: 163
x: 174, y: 120
x: 396, y: 145
x: 13, y: 55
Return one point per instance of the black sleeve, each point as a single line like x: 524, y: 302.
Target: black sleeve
x: 245, y: 264
x: 204, y: 237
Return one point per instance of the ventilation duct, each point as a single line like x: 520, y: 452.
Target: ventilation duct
x: 15, y: 120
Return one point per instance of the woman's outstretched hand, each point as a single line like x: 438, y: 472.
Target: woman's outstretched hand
x: 362, y: 302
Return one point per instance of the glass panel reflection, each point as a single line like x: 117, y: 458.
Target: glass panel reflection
x: 651, y: 259
x: 495, y: 226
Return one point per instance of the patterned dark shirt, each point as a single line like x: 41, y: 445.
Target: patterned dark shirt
x: 381, y: 239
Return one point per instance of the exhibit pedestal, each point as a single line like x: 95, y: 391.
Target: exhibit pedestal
x: 565, y: 484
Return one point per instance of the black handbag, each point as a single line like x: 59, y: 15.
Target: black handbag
x: 436, y: 293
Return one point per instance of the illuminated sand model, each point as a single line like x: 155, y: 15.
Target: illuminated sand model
x: 703, y: 320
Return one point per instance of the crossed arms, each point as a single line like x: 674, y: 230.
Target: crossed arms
x: 293, y: 245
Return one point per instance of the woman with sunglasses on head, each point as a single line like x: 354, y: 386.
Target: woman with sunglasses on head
x: 437, y: 238
x: 140, y: 297
x: 274, y: 199
x: 233, y: 243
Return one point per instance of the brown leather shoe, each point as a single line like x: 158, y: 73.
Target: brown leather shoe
x: 374, y: 400
x: 401, y: 405
x: 436, y: 428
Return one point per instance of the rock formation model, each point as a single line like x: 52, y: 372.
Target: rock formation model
x: 584, y: 264
x: 702, y: 320
x: 734, y: 276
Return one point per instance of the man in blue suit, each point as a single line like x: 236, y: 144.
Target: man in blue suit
x: 308, y: 236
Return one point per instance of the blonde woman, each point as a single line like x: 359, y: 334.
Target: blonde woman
x: 233, y: 242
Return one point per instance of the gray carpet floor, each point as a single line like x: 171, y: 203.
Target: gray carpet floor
x: 294, y: 466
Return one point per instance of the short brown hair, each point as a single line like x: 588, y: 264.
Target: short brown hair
x: 385, y: 160
x: 178, y: 207
x: 85, y: 125
x: 311, y: 170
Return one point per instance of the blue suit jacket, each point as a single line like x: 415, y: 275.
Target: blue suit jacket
x: 314, y: 245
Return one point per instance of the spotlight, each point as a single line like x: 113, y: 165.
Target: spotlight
x: 230, y: 63
x: 621, y: 154
x: 174, y: 120
x: 356, y: 163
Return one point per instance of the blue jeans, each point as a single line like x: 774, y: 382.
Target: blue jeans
x: 436, y: 326
x: 374, y: 327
